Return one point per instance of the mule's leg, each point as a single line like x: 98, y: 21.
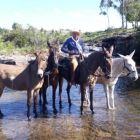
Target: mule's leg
x: 35, y: 103
x: 91, y: 98
x: 1, y: 91
x: 107, y: 96
x: 40, y: 94
x: 111, y: 91
x: 44, y: 88
x: 68, y: 93
x: 87, y: 97
x: 29, y: 102
x: 54, y: 87
x: 60, y: 91
x: 83, y: 91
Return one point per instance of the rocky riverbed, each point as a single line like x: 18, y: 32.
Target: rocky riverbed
x: 123, y: 123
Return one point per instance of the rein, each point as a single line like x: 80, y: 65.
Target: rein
x: 48, y: 76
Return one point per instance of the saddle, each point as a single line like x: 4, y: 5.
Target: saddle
x: 65, y: 66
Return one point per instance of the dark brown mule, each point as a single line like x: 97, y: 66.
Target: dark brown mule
x: 28, y: 78
x: 84, y: 70
x: 51, y: 74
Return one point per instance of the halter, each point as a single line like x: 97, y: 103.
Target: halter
x: 125, y: 67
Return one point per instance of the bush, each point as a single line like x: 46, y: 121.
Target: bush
x: 6, y: 48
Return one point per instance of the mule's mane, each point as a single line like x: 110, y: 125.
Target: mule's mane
x: 88, y: 66
x: 93, y: 58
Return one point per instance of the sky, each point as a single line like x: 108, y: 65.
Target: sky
x: 57, y: 14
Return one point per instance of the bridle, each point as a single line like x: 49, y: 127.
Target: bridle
x: 125, y: 67
x: 53, y: 64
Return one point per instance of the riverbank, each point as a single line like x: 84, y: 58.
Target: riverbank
x: 18, y: 58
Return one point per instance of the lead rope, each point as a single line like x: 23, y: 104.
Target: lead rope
x: 48, y: 76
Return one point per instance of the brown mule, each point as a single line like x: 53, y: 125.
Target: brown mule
x: 28, y: 78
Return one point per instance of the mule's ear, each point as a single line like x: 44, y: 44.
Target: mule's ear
x: 36, y: 53
x: 131, y: 55
x: 57, y: 42
x: 121, y: 55
x: 49, y: 44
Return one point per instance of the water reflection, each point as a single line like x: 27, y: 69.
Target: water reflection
x: 123, y: 123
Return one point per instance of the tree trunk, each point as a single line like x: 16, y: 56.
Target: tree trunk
x: 122, y: 14
x: 122, y: 22
x: 108, y: 19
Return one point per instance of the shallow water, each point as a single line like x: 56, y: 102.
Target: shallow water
x: 121, y: 124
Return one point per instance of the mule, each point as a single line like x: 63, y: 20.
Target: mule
x: 85, y: 68
x: 123, y: 66
x: 29, y: 78
x: 51, y: 74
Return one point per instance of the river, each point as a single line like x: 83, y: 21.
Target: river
x: 121, y: 124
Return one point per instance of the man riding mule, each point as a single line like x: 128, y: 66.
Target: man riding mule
x: 122, y: 66
x: 74, y: 47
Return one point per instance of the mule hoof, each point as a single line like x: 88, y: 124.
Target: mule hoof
x: 112, y: 108
x: 40, y: 102
x: 29, y: 119
x: 1, y: 115
x: 44, y: 109
x: 55, y: 111
x: 81, y: 109
x: 44, y: 112
x: 36, y: 115
x: 92, y: 112
x: 70, y: 104
x: 28, y: 116
x: 60, y: 106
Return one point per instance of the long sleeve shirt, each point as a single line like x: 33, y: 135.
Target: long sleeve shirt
x: 72, y: 46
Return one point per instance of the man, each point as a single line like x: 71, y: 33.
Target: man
x: 74, y: 47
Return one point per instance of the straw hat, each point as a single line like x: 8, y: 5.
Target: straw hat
x: 75, y: 32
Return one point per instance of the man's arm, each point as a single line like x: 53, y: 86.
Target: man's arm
x: 65, y: 47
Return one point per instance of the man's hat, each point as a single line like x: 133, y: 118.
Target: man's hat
x: 75, y: 32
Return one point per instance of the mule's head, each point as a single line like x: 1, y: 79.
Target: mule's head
x: 129, y: 68
x: 106, y: 65
x: 53, y: 57
x: 41, y: 61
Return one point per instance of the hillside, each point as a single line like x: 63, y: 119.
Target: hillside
x: 24, y: 41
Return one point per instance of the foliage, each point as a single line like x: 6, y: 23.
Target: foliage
x: 104, y: 6
x: 128, y: 9
x: 133, y: 12
x: 6, y: 48
x: 31, y: 39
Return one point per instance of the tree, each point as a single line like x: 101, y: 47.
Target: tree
x: 104, y: 6
x: 133, y: 12
x: 119, y: 5
x: 16, y: 26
